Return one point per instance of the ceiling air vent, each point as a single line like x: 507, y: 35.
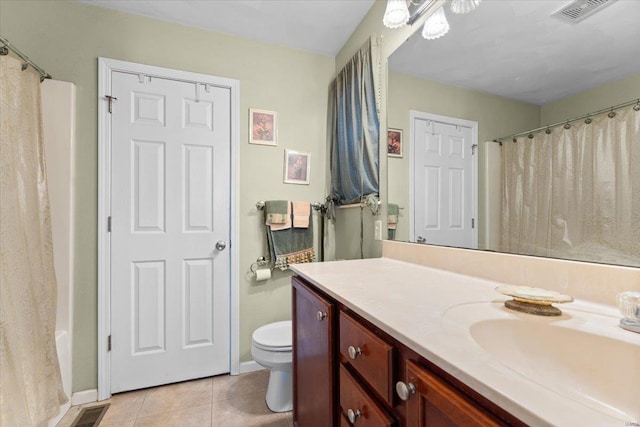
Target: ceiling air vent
x: 578, y: 10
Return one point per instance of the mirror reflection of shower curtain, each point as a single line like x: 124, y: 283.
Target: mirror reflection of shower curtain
x: 31, y: 390
x: 575, y: 193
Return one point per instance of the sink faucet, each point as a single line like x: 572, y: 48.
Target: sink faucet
x: 629, y: 306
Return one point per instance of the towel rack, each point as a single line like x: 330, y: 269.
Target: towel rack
x: 317, y: 206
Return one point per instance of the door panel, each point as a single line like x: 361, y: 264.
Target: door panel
x: 169, y: 206
x: 443, y: 183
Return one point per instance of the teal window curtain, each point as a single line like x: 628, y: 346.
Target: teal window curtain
x: 354, y: 131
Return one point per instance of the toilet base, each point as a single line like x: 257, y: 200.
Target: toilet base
x: 280, y: 391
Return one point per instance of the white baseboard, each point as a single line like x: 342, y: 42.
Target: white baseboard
x: 250, y: 366
x: 82, y: 397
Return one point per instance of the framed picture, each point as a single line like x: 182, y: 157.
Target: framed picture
x: 394, y: 142
x: 297, y: 167
x: 263, y: 127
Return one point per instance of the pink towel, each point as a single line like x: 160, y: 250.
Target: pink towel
x: 287, y: 223
x: 301, y: 213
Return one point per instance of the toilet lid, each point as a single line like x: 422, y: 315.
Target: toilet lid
x: 274, y: 335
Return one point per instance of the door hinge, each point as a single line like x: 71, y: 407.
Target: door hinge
x: 109, y: 224
x: 109, y: 343
x: 473, y: 149
x: 111, y: 99
x: 473, y: 223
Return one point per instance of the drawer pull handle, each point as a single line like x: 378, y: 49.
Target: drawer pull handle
x: 405, y: 390
x: 321, y: 315
x: 354, y: 352
x: 353, y: 415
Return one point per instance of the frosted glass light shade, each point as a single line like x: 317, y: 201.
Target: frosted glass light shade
x: 463, y: 6
x: 436, y: 26
x: 396, y: 15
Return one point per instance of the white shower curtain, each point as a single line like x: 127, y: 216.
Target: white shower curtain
x: 30, y: 385
x: 575, y: 193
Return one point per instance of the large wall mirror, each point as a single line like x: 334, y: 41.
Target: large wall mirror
x: 505, y: 68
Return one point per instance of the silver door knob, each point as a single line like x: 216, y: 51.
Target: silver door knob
x: 354, y: 352
x: 405, y: 390
x: 221, y: 245
x: 353, y: 415
x: 321, y: 315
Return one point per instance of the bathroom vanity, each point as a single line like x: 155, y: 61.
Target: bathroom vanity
x: 346, y: 372
x: 382, y: 342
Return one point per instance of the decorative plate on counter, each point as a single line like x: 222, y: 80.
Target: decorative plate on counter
x: 533, y: 295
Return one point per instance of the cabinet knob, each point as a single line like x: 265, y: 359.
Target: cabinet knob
x: 353, y: 415
x: 354, y: 352
x: 321, y: 315
x: 405, y: 390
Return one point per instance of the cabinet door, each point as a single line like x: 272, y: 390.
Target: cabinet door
x: 435, y: 403
x: 314, y: 361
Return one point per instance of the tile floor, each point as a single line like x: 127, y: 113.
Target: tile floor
x: 227, y: 401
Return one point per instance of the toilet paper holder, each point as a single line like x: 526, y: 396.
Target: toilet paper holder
x: 260, y: 262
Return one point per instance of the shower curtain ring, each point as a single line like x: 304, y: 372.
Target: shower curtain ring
x: 567, y: 125
x: 611, y: 114
x: 548, y: 131
x: 588, y: 119
x: 637, y: 106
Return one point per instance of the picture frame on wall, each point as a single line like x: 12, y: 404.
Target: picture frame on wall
x: 297, y: 167
x: 394, y: 142
x: 263, y: 127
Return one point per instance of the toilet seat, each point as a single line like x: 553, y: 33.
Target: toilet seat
x: 272, y: 348
x: 275, y: 337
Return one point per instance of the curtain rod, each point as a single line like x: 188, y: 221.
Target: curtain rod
x: 565, y: 122
x: 4, y: 50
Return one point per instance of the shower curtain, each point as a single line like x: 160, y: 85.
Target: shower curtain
x: 575, y: 193
x: 30, y: 384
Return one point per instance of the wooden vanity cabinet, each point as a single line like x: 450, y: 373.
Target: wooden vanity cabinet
x: 314, y: 366
x: 343, y: 363
x: 434, y: 403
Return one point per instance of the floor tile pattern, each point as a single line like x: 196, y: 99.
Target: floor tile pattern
x: 225, y: 400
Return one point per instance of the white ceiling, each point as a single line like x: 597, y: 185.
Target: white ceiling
x: 321, y: 26
x: 515, y: 49
x: 510, y: 48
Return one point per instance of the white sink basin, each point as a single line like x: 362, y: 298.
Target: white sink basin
x: 582, y: 355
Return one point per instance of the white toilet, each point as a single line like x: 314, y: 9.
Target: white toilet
x: 271, y: 347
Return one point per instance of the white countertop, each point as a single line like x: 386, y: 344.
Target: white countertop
x: 420, y: 307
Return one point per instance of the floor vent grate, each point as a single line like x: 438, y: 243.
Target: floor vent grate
x: 579, y: 10
x: 91, y: 416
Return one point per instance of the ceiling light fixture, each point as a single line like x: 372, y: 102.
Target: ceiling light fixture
x: 396, y: 15
x: 436, y: 25
x: 463, y: 6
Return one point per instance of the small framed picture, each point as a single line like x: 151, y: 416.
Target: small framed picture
x: 263, y: 127
x: 394, y: 142
x: 297, y: 167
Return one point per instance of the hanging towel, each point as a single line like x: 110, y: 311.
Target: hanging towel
x: 301, y: 214
x: 392, y: 215
x: 291, y: 245
x: 277, y: 214
x: 276, y: 211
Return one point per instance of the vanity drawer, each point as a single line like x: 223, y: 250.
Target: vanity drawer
x: 368, y: 354
x: 363, y: 409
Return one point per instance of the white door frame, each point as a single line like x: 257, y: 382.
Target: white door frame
x: 105, y: 67
x: 413, y: 115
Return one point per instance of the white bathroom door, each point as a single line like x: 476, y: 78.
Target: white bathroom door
x: 170, y: 190
x: 443, y: 183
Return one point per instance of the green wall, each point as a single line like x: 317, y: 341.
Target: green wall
x: 66, y: 38
x: 607, y: 95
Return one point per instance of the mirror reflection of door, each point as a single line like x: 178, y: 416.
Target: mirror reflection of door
x: 444, y: 180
